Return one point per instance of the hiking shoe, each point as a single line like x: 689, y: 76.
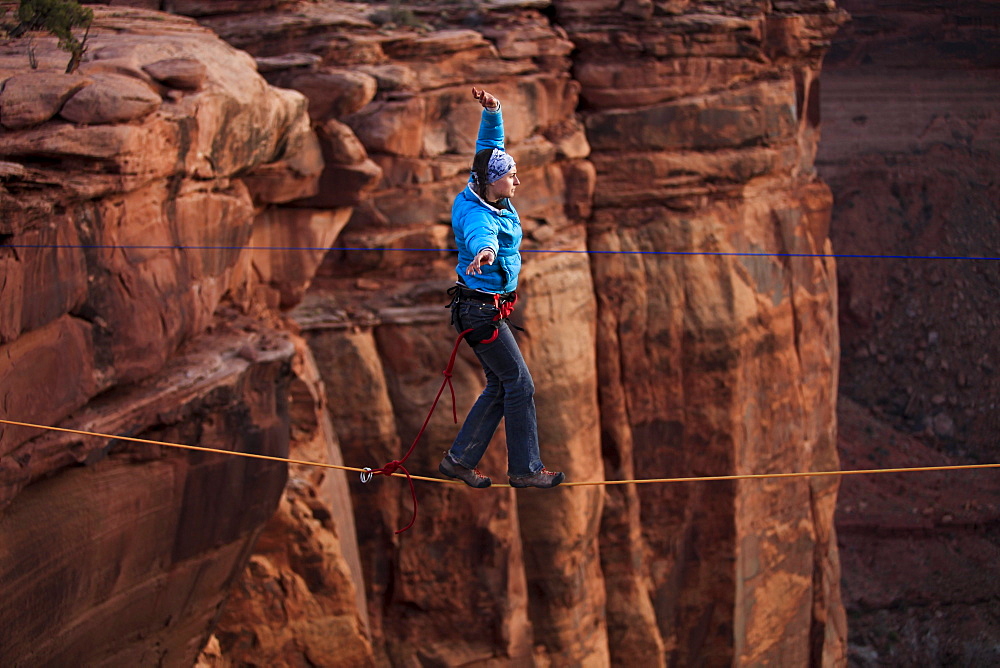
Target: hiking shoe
x: 471, y: 477
x: 544, y: 478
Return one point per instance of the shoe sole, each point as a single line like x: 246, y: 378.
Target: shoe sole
x: 561, y: 477
x: 442, y: 470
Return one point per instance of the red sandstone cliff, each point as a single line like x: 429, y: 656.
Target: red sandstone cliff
x: 131, y: 193
x: 673, y: 142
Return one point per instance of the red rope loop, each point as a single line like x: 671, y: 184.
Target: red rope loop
x: 389, y: 469
x: 397, y: 464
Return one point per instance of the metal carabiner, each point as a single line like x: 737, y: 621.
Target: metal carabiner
x: 367, y: 475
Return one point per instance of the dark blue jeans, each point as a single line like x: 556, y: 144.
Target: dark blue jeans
x: 509, y: 394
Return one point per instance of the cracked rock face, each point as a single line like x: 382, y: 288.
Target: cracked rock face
x: 676, y: 140
x: 124, y: 222
x: 680, y: 323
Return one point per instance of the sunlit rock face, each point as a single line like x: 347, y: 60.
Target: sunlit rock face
x: 679, y: 321
x: 698, y: 335
x: 129, y: 197
x: 127, y: 559
x: 717, y: 326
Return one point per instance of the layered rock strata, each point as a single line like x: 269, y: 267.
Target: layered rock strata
x: 132, y: 193
x: 680, y: 317
x: 688, y: 177
x: 127, y: 559
x: 717, y: 327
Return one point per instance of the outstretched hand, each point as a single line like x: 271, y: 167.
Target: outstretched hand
x: 488, y: 100
x: 485, y: 256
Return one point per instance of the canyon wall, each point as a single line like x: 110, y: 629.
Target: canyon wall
x: 679, y: 322
x: 915, y: 184
x: 128, y: 291
x: 704, y: 131
x: 910, y: 146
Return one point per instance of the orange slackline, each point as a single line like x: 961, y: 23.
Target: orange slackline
x: 366, y: 471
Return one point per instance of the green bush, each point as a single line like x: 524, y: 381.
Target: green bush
x: 58, y: 17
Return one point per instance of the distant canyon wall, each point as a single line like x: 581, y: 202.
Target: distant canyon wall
x: 911, y: 93
x: 678, y: 323
x: 914, y: 180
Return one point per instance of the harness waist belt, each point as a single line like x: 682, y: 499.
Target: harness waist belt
x: 484, y: 297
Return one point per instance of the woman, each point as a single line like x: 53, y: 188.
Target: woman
x: 488, y: 234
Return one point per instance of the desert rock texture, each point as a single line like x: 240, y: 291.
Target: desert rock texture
x: 127, y: 213
x: 230, y: 228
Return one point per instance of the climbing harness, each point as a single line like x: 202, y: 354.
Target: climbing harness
x: 504, y: 306
x: 503, y: 303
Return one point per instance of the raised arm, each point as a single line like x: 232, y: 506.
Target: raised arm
x: 491, y: 133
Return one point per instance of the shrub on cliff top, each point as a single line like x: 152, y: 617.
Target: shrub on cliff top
x: 58, y: 17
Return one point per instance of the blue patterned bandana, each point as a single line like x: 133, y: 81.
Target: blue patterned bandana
x: 500, y: 163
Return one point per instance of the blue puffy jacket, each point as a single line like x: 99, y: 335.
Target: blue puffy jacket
x: 479, y: 225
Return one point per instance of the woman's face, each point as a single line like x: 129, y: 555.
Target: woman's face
x: 505, y: 185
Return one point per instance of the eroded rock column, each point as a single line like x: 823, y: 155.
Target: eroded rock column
x: 716, y: 327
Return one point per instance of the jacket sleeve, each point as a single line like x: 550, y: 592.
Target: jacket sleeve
x: 491, y: 130
x: 481, y: 231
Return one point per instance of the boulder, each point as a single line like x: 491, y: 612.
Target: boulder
x: 345, y: 185
x: 181, y: 73
x: 33, y: 98
x: 392, y: 127
x: 293, y: 174
x: 340, y: 145
x: 332, y: 92
x: 111, y: 99
x: 393, y: 77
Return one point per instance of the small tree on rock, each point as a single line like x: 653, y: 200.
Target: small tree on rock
x: 58, y: 17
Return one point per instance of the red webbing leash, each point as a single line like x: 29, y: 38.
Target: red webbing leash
x: 504, y: 308
x: 397, y: 464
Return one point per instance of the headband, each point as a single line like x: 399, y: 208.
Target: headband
x: 500, y: 163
